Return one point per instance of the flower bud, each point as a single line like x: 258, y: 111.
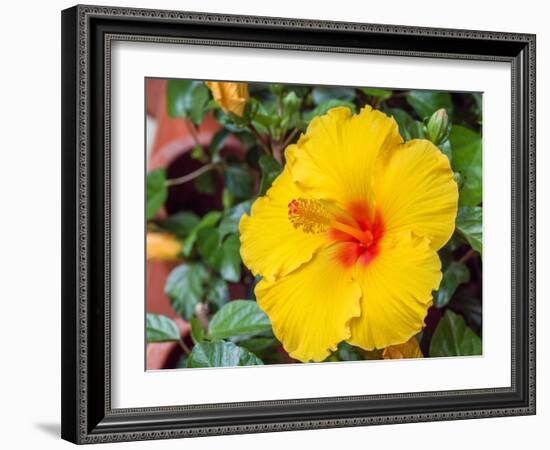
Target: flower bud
x: 438, y: 127
x: 162, y: 246
x: 409, y: 349
x: 231, y: 97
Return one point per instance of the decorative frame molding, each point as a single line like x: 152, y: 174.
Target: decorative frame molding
x: 87, y: 34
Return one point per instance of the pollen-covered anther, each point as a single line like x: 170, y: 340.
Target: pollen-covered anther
x: 309, y: 214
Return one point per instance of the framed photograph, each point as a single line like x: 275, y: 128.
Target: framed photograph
x: 282, y: 224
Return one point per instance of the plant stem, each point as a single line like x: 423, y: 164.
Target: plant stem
x: 193, y: 132
x: 184, y: 347
x: 467, y: 256
x: 201, y: 311
x: 290, y: 138
x: 260, y: 139
x: 191, y: 176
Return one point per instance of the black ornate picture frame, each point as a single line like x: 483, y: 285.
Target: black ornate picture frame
x: 87, y: 35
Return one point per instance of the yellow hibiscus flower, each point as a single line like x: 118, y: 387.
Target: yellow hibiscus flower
x: 346, y: 238
x: 231, y: 97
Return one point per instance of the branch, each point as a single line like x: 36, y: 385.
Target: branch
x: 190, y: 176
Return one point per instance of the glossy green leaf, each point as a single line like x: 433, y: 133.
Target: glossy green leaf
x: 182, y: 362
x: 408, y: 127
x: 466, y: 304
x: 347, y: 352
x: 469, y: 223
x: 447, y: 150
x: 238, y: 181
x: 270, y: 170
x: 231, y: 218
x: 217, y: 291
x: 453, y: 337
x: 259, y: 344
x: 221, y: 354
x: 454, y: 275
x: 238, y: 318
x: 206, y: 183
x: 187, y: 98
x: 160, y: 328
x: 467, y: 159
x: 210, y: 219
x: 208, y: 242
x: 227, y: 260
x: 217, y: 143
x: 380, y: 94
x: 185, y: 287
x: 180, y: 224
x: 157, y: 191
x: 321, y: 94
x: 425, y: 103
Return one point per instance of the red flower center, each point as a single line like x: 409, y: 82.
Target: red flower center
x: 356, y: 227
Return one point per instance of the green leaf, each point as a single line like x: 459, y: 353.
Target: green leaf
x: 160, y: 328
x: 221, y: 354
x: 478, y: 105
x: 238, y: 318
x: 258, y: 345
x: 380, y: 94
x: 467, y: 159
x: 197, y: 153
x: 325, y: 106
x: 231, y: 218
x: 346, y: 352
x: 209, y: 219
x: 187, y: 98
x: 469, y: 307
x: 206, y: 183
x: 197, y: 331
x: 322, y: 94
x: 447, y: 150
x: 425, y: 103
x: 453, y: 276
x: 217, y: 292
x: 238, y: 181
x: 270, y: 170
x: 408, y: 127
x: 291, y: 102
x: 453, y: 338
x: 217, y: 143
x: 227, y: 260
x: 208, y: 242
x: 157, y: 192
x: 469, y: 223
x: 180, y: 224
x: 185, y: 287
x: 228, y: 199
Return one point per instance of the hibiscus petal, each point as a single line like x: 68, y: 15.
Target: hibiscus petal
x: 336, y: 157
x: 310, y: 308
x: 270, y: 245
x: 397, y: 287
x: 415, y: 191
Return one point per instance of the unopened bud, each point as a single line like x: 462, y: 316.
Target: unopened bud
x: 438, y: 127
